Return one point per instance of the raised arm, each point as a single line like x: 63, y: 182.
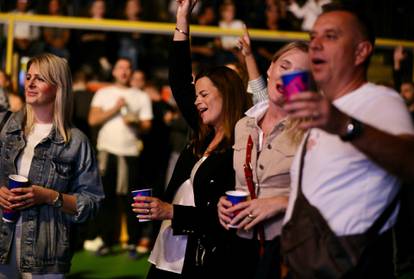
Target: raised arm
x: 256, y: 82
x: 394, y: 153
x: 180, y: 73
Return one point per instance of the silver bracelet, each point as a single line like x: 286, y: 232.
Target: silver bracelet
x: 182, y: 31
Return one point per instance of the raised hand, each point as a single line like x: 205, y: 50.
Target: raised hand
x: 184, y: 7
x: 316, y: 111
x: 244, y: 43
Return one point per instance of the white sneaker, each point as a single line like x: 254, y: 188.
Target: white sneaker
x: 93, y: 245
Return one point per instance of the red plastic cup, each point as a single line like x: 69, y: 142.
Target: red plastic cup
x: 295, y: 82
x: 235, y: 197
x: 15, y: 181
x: 142, y: 193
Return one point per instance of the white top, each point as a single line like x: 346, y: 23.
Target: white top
x: 308, y: 12
x: 115, y: 136
x: 24, y: 30
x: 349, y: 189
x: 230, y: 42
x: 24, y: 161
x: 169, y: 250
x: 38, y: 133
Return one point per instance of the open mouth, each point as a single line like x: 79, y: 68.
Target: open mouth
x: 279, y: 88
x: 318, y: 61
x: 202, y: 110
x: 31, y: 93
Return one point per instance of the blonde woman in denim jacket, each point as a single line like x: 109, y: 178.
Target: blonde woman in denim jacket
x: 64, y: 184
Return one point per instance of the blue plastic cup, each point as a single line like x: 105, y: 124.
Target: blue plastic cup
x: 235, y: 197
x: 295, y: 82
x: 15, y: 181
x: 142, y: 193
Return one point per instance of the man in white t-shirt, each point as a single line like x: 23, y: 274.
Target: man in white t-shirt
x: 348, y: 179
x: 124, y: 113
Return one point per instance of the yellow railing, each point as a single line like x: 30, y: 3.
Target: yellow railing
x: 154, y: 28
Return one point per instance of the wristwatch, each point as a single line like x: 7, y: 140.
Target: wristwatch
x: 58, y: 201
x: 354, y: 129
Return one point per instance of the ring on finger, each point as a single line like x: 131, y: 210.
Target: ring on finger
x: 315, y: 114
x: 251, y: 216
x: 148, y: 211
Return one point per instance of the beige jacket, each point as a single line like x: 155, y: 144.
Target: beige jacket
x: 270, y: 166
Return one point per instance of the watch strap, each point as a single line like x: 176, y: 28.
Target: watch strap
x: 58, y: 201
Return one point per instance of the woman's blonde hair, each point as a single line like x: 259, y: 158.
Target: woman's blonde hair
x: 56, y: 72
x: 293, y: 132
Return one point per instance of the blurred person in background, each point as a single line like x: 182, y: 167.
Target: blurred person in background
x: 203, y: 49
x: 97, y: 46
x: 155, y: 156
x: 402, y: 66
x: 64, y: 188
x: 308, y: 12
x: 133, y: 44
x: 25, y: 34
x: 138, y: 80
x: 228, y: 44
x: 124, y: 114
x: 271, y: 20
x: 56, y: 38
x: 10, y: 99
x: 407, y: 92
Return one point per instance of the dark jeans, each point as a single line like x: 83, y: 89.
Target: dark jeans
x: 114, y: 205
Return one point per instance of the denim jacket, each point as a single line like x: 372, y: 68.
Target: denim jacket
x: 65, y: 167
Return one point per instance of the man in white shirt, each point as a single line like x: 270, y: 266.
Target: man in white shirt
x: 124, y: 113
x: 342, y: 176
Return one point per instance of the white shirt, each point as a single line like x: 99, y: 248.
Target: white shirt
x: 169, y: 249
x: 230, y: 42
x: 38, y: 133
x: 309, y: 12
x: 349, y: 189
x: 23, y: 30
x: 115, y: 136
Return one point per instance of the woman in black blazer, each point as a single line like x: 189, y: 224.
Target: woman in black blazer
x: 191, y: 242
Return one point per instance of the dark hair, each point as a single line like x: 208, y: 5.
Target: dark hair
x: 235, y: 103
x: 364, y: 23
x: 365, y: 26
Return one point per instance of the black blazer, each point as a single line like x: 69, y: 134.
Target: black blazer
x: 214, y: 177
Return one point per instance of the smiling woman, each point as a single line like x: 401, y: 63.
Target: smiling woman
x: 39, y: 143
x: 38, y: 92
x: 191, y: 243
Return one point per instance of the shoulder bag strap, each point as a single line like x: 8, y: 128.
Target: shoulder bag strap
x: 249, y: 181
x: 302, y: 162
